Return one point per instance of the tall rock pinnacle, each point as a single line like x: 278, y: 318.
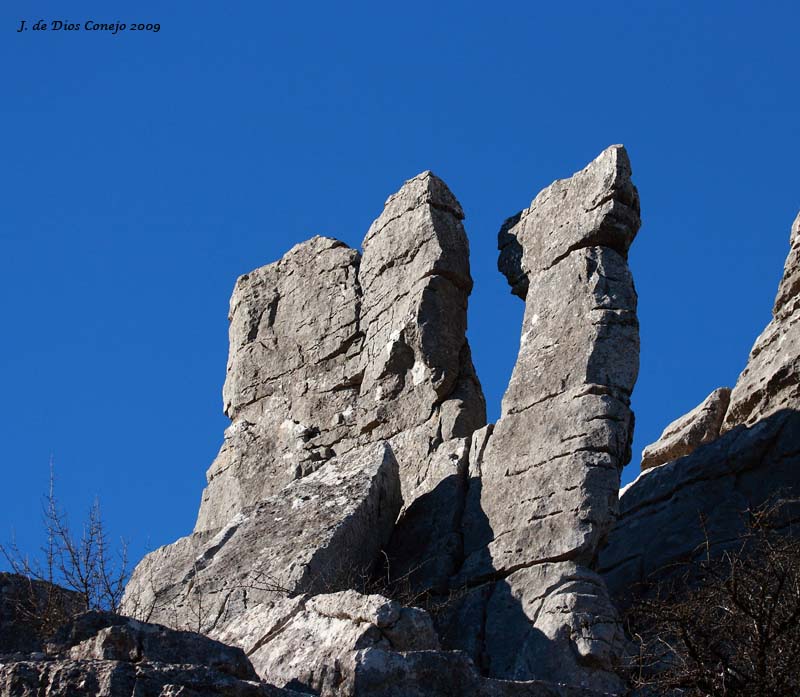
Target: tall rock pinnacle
x: 544, y: 492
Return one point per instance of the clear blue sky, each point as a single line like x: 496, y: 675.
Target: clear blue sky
x: 142, y: 173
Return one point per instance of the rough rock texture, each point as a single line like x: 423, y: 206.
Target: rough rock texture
x: 666, y: 513
x: 23, y: 602
x: 701, y: 425
x: 353, y: 399
x: 381, y: 673
x: 544, y: 491
x: 305, y: 642
x: 292, y: 375
x: 106, y: 655
x: 771, y: 379
x: 320, y: 533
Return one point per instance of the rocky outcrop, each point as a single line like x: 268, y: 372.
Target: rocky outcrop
x: 698, y: 500
x: 30, y: 610
x: 771, y: 378
x: 292, y: 376
x: 701, y: 425
x: 353, y: 398
x: 100, y: 654
x: 543, y: 490
x: 319, y: 534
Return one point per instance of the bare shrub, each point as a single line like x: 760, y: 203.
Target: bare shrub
x: 85, y: 564
x: 728, y: 624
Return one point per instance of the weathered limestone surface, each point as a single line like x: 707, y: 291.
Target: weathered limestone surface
x: 666, y: 513
x: 319, y: 533
x: 353, y: 399
x: 771, y: 378
x: 548, y: 475
x: 292, y: 375
x: 701, y: 425
x: 99, y: 654
x: 306, y: 641
x: 380, y: 673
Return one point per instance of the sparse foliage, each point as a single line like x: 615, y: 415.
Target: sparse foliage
x: 85, y: 564
x: 726, y: 625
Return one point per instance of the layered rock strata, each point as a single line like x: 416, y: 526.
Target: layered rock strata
x: 353, y: 399
x: 698, y: 500
x: 544, y: 481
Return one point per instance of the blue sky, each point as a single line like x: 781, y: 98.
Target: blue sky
x: 143, y: 172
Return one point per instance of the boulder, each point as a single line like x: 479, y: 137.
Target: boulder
x: 100, y: 654
x: 319, y: 534
x: 701, y: 425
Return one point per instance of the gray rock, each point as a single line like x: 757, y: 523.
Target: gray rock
x: 331, y: 356
x: 549, y: 472
x: 107, y: 636
x: 93, y: 678
x: 292, y: 377
x: 672, y: 513
x: 380, y: 673
x: 99, y: 654
x: 669, y: 513
x: 771, y: 378
x: 701, y: 425
x: 319, y: 534
x: 305, y: 642
x: 30, y: 610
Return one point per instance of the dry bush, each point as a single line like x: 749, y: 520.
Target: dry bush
x: 85, y: 564
x: 728, y: 624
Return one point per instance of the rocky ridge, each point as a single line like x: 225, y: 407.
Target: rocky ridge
x: 733, y: 453
x: 365, y: 532
x: 334, y: 354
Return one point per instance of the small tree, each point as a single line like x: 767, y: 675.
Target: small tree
x: 84, y: 564
x: 729, y: 624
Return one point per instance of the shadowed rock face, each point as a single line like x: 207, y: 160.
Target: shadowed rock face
x: 706, y: 489
x: 99, y: 654
x: 545, y: 491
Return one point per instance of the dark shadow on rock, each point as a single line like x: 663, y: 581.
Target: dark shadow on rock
x: 426, y: 547
x: 677, y: 512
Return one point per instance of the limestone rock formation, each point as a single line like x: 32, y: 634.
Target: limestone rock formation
x: 545, y: 491
x: 699, y: 499
x: 771, y: 379
x: 292, y: 375
x: 104, y: 655
x: 30, y: 608
x: 701, y: 425
x: 353, y: 399
x: 318, y: 534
